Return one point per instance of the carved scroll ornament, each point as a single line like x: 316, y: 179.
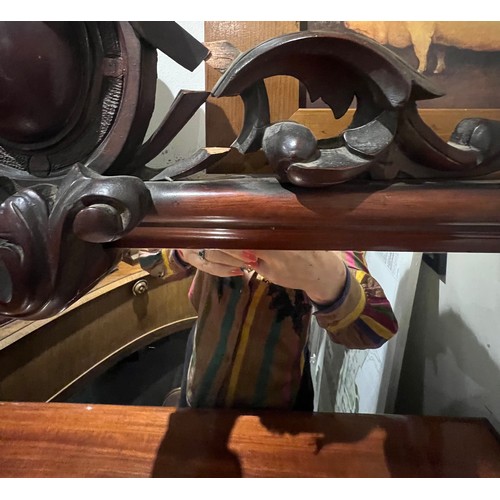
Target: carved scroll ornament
x: 77, y: 98
x: 386, y: 139
x: 52, y: 238
x: 84, y: 92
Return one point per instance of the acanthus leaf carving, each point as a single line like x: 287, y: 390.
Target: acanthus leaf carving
x: 53, y: 238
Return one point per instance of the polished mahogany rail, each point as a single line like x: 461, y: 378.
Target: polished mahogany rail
x: 250, y: 212
x: 74, y: 440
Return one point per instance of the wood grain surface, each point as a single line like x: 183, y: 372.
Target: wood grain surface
x: 73, y: 440
x: 260, y: 213
x: 123, y: 274
x: 225, y: 115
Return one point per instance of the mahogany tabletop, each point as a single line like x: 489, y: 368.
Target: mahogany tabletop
x: 78, y: 440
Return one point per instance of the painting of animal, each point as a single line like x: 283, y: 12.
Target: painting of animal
x: 472, y: 35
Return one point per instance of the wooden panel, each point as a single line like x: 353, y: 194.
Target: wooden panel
x: 63, y: 440
x: 55, y: 357
x: 224, y: 116
x: 260, y: 213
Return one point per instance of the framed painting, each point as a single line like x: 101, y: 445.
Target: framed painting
x: 460, y: 57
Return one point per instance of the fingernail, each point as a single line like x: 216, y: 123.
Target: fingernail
x: 249, y: 255
x: 237, y: 272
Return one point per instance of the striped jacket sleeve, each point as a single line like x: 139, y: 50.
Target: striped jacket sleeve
x: 362, y: 317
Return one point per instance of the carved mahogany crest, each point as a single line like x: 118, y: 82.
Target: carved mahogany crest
x: 77, y: 98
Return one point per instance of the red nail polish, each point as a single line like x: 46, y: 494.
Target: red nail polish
x: 249, y: 255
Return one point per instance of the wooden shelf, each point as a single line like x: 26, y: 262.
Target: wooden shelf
x: 73, y: 440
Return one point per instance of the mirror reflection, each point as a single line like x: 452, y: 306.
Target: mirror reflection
x: 138, y: 349
x: 249, y: 347
x: 441, y: 361
x: 262, y: 322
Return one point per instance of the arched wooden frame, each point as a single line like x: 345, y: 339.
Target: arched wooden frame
x: 51, y: 359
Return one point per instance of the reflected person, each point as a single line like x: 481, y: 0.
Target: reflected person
x: 248, y: 348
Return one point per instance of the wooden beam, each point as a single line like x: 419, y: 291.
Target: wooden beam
x: 247, y: 212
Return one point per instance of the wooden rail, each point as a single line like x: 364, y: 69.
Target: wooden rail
x: 248, y: 212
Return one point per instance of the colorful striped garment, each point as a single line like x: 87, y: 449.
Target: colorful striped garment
x: 251, y: 335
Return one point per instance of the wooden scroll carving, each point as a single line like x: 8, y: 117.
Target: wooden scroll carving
x: 76, y: 102
x: 84, y: 92
x: 386, y: 139
x: 52, y: 238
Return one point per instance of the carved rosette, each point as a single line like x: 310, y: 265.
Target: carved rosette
x: 53, y: 238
